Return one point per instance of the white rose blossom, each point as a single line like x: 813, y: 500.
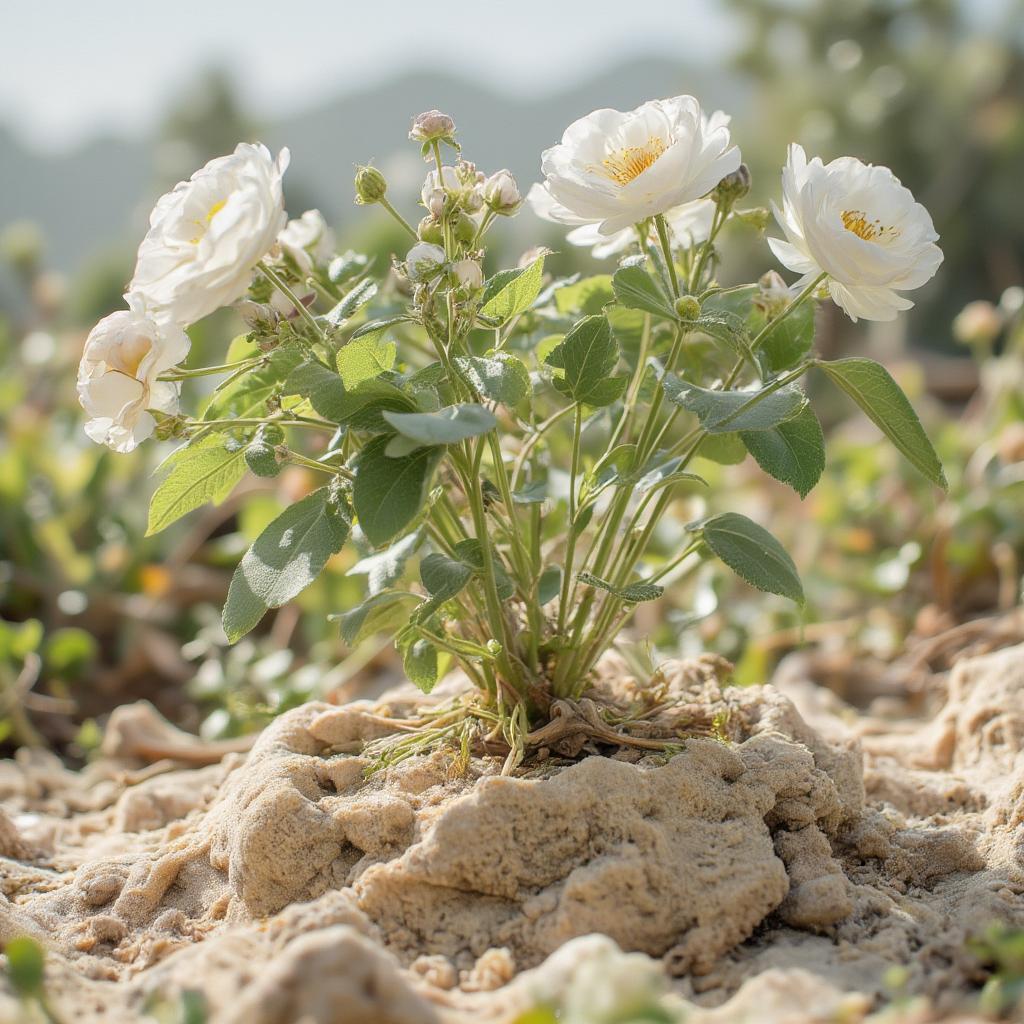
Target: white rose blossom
x: 307, y: 238
x: 208, y: 233
x: 615, y: 169
x: 858, y: 224
x: 124, y: 355
x: 690, y: 224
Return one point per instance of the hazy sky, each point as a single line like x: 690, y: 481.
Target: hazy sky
x: 74, y: 67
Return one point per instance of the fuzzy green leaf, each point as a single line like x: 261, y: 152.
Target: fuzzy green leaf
x: 386, y: 567
x: 389, y: 493
x: 261, y: 453
x: 385, y: 612
x: 322, y: 388
x: 359, y: 296
x: 793, y: 452
x: 788, y: 341
x: 870, y: 385
x: 588, y: 354
x: 753, y: 554
x: 722, y: 412
x: 446, y: 426
x: 635, y: 289
x: 419, y: 659
x: 511, y: 292
x: 285, y: 558
x: 633, y: 593
x: 364, y: 408
x: 197, y: 473
x: 364, y: 359
x: 500, y: 376
x: 247, y: 395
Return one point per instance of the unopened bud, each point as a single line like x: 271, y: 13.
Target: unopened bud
x: 469, y: 274
x: 687, y: 307
x: 371, y: 185
x: 978, y: 323
x: 424, y: 261
x: 733, y: 186
x: 430, y: 230
x: 757, y: 217
x: 501, y: 193
x: 432, y: 126
x: 465, y: 227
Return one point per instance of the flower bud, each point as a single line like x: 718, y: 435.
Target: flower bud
x: 733, y: 186
x: 501, y: 193
x: 424, y: 261
x: 687, y: 307
x: 371, y: 185
x: 757, y: 217
x: 469, y: 274
x: 430, y: 230
x: 465, y: 227
x: 432, y: 126
x: 978, y: 323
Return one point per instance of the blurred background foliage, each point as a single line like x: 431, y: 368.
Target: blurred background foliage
x: 92, y: 614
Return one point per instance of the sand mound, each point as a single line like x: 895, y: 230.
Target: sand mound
x: 794, y: 862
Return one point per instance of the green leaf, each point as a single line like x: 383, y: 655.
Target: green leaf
x: 320, y: 386
x: 25, y: 964
x: 246, y: 396
x: 261, y: 453
x: 447, y: 426
x: 725, y: 449
x: 389, y: 493
x: 664, y: 475
x: 793, y: 452
x: 364, y: 359
x: 204, y: 471
x: 419, y: 659
x: 499, y: 376
x: 788, y: 341
x: 364, y: 408
x: 725, y: 327
x: 633, y: 593
x: 511, y: 292
x: 346, y: 266
x: 444, y: 577
x: 549, y: 586
x: 385, y: 612
x: 584, y: 297
x: 472, y: 554
x: 722, y: 412
x: 242, y: 347
x: 386, y: 567
x: 359, y: 296
x: 588, y: 354
x: 753, y: 554
x: 635, y: 289
x: 286, y: 557
x: 870, y: 385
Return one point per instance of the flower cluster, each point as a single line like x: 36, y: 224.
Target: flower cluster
x: 445, y: 398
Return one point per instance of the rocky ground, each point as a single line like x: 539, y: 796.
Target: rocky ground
x: 775, y: 872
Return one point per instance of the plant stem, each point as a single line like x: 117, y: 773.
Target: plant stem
x: 208, y: 371
x: 300, y: 307
x: 398, y: 217
x: 570, y: 546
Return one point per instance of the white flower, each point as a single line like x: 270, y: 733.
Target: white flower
x: 856, y: 223
x: 117, y: 378
x: 431, y: 125
x: 690, y: 224
x: 307, y: 238
x: 424, y: 261
x: 616, y: 169
x: 469, y: 274
x: 207, y: 235
x: 501, y: 193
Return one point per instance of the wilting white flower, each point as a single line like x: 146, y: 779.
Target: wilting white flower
x: 856, y: 223
x: 117, y: 377
x: 424, y: 261
x: 501, y: 193
x: 616, y: 169
x: 431, y: 125
x: 307, y: 238
x: 207, y: 235
x: 469, y: 274
x: 689, y: 224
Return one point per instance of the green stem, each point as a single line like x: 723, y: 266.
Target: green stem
x: 300, y: 307
x: 247, y: 422
x: 208, y: 371
x: 570, y: 547
x: 398, y: 217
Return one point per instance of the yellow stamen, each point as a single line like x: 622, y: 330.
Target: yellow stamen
x: 871, y: 231
x: 210, y: 214
x: 629, y: 163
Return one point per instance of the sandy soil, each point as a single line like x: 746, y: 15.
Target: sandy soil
x: 773, y: 874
